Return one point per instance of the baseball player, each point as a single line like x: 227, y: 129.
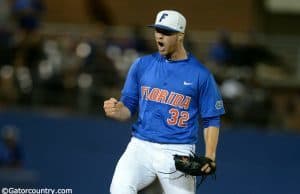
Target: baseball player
x: 170, y: 89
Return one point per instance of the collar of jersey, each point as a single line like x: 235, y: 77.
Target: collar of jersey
x: 176, y: 61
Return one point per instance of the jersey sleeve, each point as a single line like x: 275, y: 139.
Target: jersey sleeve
x: 210, y: 100
x: 130, y: 91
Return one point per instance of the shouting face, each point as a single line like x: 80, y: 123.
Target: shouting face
x: 167, y: 42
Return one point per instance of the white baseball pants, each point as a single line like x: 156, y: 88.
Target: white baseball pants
x: 144, y: 162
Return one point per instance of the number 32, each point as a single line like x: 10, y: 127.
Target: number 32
x: 178, y: 118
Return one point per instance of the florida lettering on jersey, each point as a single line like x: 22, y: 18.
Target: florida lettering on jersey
x: 165, y: 97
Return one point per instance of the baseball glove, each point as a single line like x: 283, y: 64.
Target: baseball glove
x: 192, y: 164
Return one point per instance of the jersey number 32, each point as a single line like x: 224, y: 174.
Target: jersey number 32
x: 178, y: 118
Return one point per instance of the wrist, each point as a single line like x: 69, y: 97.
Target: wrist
x: 123, y: 114
x: 211, y: 156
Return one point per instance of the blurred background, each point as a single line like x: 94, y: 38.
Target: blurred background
x: 59, y: 60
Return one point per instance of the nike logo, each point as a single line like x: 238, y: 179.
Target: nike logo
x: 187, y: 83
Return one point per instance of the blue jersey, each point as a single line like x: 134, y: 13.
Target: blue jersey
x: 170, y: 96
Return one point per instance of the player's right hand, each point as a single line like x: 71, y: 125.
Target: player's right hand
x: 112, y: 108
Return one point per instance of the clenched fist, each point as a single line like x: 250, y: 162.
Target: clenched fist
x: 116, y: 109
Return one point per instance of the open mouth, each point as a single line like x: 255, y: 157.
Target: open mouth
x: 160, y: 44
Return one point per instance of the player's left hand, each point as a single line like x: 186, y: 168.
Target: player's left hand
x: 206, y: 168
